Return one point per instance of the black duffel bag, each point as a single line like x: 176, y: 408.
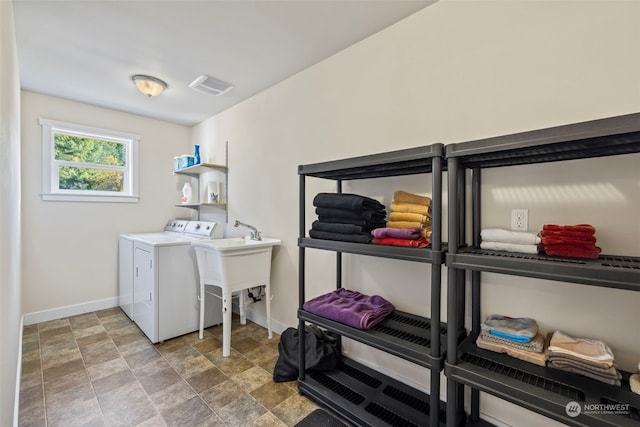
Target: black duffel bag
x: 321, y: 353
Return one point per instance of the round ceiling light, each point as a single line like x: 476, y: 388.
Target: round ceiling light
x: 148, y: 85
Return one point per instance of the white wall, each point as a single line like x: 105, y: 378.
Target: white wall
x: 10, y: 295
x: 70, y: 248
x: 455, y: 71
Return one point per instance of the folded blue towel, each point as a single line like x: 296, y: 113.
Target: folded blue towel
x: 511, y: 337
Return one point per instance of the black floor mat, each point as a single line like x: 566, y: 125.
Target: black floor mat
x: 320, y: 418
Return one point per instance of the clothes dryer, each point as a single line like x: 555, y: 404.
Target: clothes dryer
x: 158, y: 279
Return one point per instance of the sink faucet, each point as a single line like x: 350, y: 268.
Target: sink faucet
x: 255, y: 234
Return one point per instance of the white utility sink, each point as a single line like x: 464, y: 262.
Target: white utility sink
x: 234, y: 265
x: 237, y: 243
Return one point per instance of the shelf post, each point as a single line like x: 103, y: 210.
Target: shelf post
x: 476, y: 182
x: 436, y: 273
x: 452, y: 290
x: 301, y: 275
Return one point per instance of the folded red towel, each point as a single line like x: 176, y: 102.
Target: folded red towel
x: 581, y: 228
x: 392, y: 241
x: 556, y: 240
x: 578, y: 235
x: 572, y: 251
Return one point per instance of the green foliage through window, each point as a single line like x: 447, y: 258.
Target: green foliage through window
x: 90, y: 154
x: 71, y: 178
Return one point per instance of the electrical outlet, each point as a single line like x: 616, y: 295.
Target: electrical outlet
x: 519, y: 219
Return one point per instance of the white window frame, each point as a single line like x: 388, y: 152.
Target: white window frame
x: 50, y: 190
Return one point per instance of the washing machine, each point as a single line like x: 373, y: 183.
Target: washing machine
x: 158, y: 279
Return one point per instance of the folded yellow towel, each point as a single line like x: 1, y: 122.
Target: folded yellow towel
x: 403, y: 196
x: 412, y: 217
x: 410, y: 208
x: 405, y: 224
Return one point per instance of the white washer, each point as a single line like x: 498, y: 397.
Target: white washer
x: 158, y: 279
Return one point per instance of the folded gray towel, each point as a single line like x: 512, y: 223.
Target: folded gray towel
x: 511, y: 327
x: 565, y: 361
x: 592, y: 375
x: 604, y: 364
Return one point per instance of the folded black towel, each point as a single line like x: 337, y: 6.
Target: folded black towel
x: 368, y: 214
x: 355, y: 221
x: 346, y: 201
x: 342, y: 228
x: 327, y: 235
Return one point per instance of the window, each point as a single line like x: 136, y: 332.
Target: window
x: 80, y: 163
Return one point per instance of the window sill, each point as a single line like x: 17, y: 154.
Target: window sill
x: 51, y: 197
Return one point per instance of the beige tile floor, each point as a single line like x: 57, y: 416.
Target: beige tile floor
x: 98, y: 369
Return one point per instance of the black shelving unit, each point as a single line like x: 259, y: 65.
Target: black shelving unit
x: 359, y: 394
x: 543, y: 390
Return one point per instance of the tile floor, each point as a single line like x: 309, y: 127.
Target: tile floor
x: 98, y: 369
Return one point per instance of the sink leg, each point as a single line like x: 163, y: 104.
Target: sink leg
x: 267, y: 290
x: 202, y: 298
x: 243, y: 307
x: 226, y: 323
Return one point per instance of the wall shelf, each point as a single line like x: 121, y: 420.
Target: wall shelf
x: 196, y: 170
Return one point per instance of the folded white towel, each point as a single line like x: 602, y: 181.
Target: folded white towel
x: 507, y: 236
x: 509, y: 247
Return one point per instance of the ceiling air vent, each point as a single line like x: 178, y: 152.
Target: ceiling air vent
x: 210, y: 86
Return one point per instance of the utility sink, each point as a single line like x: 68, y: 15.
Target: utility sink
x: 234, y: 265
x: 238, y: 243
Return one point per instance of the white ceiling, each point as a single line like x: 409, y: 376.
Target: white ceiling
x: 87, y: 50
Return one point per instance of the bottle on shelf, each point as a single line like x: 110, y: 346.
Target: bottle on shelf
x: 196, y: 155
x: 187, y: 194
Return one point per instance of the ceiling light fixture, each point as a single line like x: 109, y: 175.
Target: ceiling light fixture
x: 148, y: 85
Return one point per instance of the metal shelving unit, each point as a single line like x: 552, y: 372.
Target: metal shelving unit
x: 360, y: 395
x: 543, y: 390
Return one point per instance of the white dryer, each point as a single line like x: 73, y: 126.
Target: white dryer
x: 158, y: 279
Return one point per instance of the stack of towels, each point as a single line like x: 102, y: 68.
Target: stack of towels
x: 409, y: 221
x: 634, y: 381
x: 498, y: 239
x: 573, y: 241
x: 346, y: 217
x: 399, y: 237
x: 519, y: 337
x: 351, y: 308
x: 591, y: 358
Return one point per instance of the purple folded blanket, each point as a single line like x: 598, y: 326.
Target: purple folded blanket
x: 398, y: 233
x: 351, y: 308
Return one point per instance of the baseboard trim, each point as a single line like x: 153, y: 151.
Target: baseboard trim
x: 69, y: 310
x: 261, y: 320
x: 16, y: 400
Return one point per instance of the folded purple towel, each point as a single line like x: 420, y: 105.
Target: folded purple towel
x: 351, y: 308
x: 398, y: 233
